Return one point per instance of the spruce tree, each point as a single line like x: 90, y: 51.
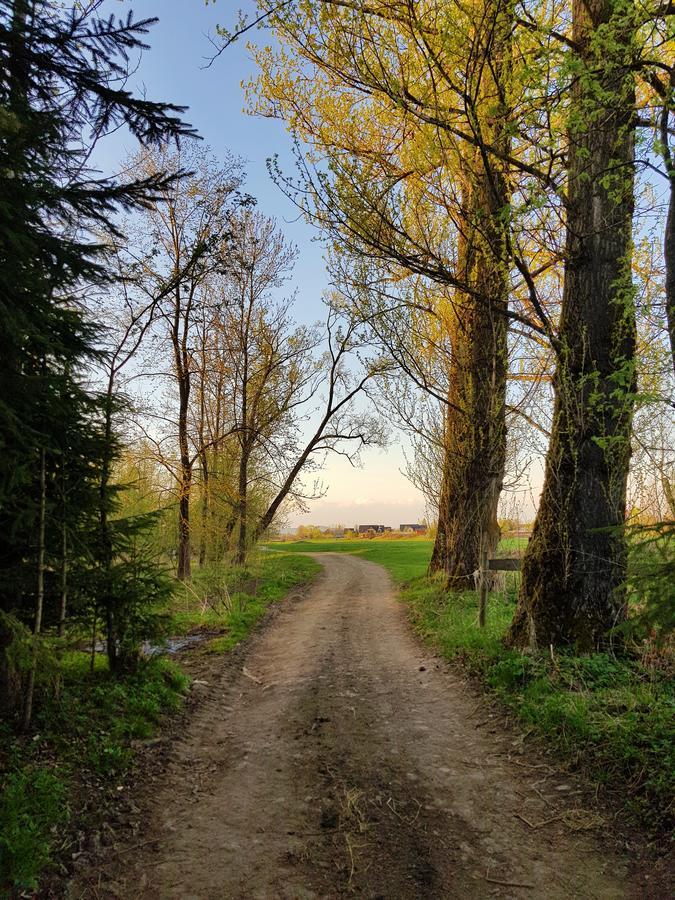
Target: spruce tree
x: 62, y: 87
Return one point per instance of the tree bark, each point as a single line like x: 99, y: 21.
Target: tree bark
x: 205, y: 505
x: 475, y: 453
x: 572, y: 589
x: 184, y: 566
x: 669, y: 235
x: 40, y: 592
x: 669, y: 257
x: 242, y: 507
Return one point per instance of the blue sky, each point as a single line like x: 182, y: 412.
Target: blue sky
x: 174, y: 70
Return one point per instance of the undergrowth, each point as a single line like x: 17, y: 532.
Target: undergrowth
x: 230, y: 600
x: 86, y: 733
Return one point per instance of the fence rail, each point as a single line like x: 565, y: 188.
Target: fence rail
x: 487, y: 565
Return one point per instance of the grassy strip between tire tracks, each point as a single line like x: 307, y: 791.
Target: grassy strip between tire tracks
x: 612, y: 717
x: 83, y: 743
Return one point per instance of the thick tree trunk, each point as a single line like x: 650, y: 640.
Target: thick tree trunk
x: 669, y: 257
x: 572, y: 589
x: 475, y: 453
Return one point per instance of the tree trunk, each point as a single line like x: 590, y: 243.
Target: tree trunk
x: 669, y: 257
x: 572, y: 589
x: 40, y: 592
x: 185, y: 484
x: 106, y: 599
x: 63, y: 605
x: 475, y: 452
x: 205, y: 507
x: 242, y: 508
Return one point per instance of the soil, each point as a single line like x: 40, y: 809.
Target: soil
x: 334, y: 756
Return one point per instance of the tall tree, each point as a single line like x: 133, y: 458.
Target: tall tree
x: 180, y: 242
x: 573, y: 581
x: 273, y: 379
x: 64, y: 87
x: 270, y: 361
x: 412, y: 107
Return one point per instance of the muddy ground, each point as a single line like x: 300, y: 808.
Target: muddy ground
x: 333, y: 756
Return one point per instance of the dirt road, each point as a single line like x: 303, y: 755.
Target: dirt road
x: 344, y: 760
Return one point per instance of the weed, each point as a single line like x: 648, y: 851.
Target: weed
x: 31, y: 808
x: 231, y: 600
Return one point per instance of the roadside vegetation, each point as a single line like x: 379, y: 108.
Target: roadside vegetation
x: 225, y: 601
x: 609, y: 715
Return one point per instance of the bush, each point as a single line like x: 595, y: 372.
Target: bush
x: 652, y: 581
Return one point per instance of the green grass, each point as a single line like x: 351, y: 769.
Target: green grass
x: 610, y: 717
x: 86, y: 733
x: 31, y: 806
x: 231, y: 600
x: 404, y: 559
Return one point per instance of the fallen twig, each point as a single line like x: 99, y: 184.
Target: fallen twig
x: 351, y: 859
x: 532, y: 766
x: 138, y: 846
x: 475, y: 709
x: 247, y: 674
x: 521, y: 884
x: 539, y: 824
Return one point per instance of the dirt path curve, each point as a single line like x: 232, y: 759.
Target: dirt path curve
x: 343, y: 761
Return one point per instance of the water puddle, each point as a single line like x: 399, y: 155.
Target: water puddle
x: 171, y: 645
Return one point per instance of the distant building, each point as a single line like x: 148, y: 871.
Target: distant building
x: 412, y: 529
x: 377, y: 529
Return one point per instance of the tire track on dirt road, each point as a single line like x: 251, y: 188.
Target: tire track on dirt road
x: 344, y: 760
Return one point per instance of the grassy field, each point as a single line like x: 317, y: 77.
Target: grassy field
x: 612, y: 717
x: 403, y: 559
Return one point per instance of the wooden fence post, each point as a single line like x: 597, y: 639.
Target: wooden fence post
x: 484, y: 583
